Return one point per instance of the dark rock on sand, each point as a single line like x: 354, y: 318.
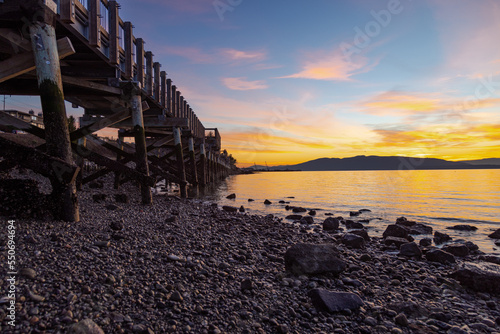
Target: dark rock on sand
x: 361, y: 233
x: 231, y: 196
x: 353, y: 225
x: 440, y: 238
x: 462, y: 228
x: 459, y: 250
x: 242, y: 209
x: 353, y: 240
x: 420, y: 229
x: 86, y: 326
x: 267, y: 202
x: 334, y: 301
x: 307, y: 220
x: 312, y: 213
x: 472, y: 246
x: 394, y: 230
x: 354, y: 213
x: 365, y: 210
x: 293, y: 217
x: 313, y: 259
x: 331, y: 224
x: 251, y: 200
x: 298, y: 209
x: 410, y: 249
x: 405, y: 222
x: 495, y: 235
x: 116, y: 225
x: 482, y: 277
x: 395, y: 241
x: 425, y: 242
x: 440, y: 256
x: 228, y: 208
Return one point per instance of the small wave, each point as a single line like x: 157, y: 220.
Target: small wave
x: 465, y: 220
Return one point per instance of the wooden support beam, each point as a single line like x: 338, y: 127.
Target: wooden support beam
x: 15, y: 123
x: 203, y: 166
x: 24, y: 63
x: 114, y: 26
x: 148, y: 86
x: 80, y: 161
x: 192, y: 161
x: 16, y: 40
x: 182, y: 105
x: 140, y: 60
x: 118, y: 158
x: 39, y: 162
x: 94, y: 86
x: 102, y: 123
x: 67, y: 11
x: 45, y: 50
x: 163, y: 89
x: 129, y: 50
x: 155, y: 122
x: 94, y: 22
x: 175, y: 101
x: 156, y: 86
x: 169, y: 101
x: 180, y: 162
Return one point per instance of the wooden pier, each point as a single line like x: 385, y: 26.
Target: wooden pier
x: 81, y: 51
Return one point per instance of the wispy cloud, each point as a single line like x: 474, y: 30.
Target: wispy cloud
x: 243, y: 84
x: 215, y: 56
x: 333, y: 66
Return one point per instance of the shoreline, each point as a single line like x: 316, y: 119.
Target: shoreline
x: 184, y: 267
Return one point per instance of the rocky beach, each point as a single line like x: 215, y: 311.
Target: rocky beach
x: 188, y: 266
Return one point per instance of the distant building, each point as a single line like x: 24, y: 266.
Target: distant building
x: 29, y: 117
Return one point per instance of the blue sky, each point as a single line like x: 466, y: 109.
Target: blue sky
x: 290, y: 81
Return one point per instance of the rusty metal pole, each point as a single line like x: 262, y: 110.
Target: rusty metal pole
x: 44, y: 45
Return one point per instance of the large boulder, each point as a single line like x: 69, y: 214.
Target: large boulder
x: 495, y: 235
x: 457, y: 249
x: 86, y: 326
x: 405, y: 222
x: 352, y: 225
x: 331, y: 224
x: 482, y: 277
x: 440, y: 238
x: 353, y: 240
x: 334, y: 301
x: 420, y: 229
x: 395, y: 241
x: 440, y: 256
x: 394, y: 230
x: 362, y: 233
x: 410, y: 249
x: 462, y: 228
x: 307, y: 220
x: 313, y: 259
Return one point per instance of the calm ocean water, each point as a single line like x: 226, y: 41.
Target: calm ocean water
x: 440, y: 198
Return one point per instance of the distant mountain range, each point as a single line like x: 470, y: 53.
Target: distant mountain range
x: 363, y: 162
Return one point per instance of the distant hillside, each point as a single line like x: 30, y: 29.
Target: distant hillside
x: 381, y: 163
x: 490, y: 161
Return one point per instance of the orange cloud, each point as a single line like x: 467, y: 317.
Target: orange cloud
x: 333, y: 66
x: 217, y: 56
x: 244, y: 55
x: 242, y: 84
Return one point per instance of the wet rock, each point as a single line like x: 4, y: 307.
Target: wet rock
x: 395, y: 241
x: 307, y: 220
x: 440, y: 238
x: 353, y: 240
x: 267, y: 202
x: 495, y: 235
x: 228, y: 208
x: 410, y: 249
x: 472, y: 246
x: 405, y: 222
x: 397, y: 231
x: 293, y: 217
x: 362, y: 233
x: 420, y: 229
x: 246, y: 284
x: 251, y: 200
x: 231, y: 196
x: 440, y: 256
x: 490, y: 258
x: 313, y: 259
x: 312, y: 213
x: 334, y: 301
x: 401, y: 320
x: 176, y: 297
x: 462, y: 228
x: 121, y: 198
x: 365, y: 210
x: 482, y: 277
x: 425, y: 242
x: 86, y: 326
x: 331, y: 224
x: 298, y: 209
x: 242, y: 209
x: 354, y: 213
x: 353, y: 225
x: 457, y: 250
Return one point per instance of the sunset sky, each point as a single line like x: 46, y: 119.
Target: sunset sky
x: 290, y: 81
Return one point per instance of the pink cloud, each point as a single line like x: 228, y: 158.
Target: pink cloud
x: 199, y: 56
x: 243, y: 84
x: 243, y: 55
